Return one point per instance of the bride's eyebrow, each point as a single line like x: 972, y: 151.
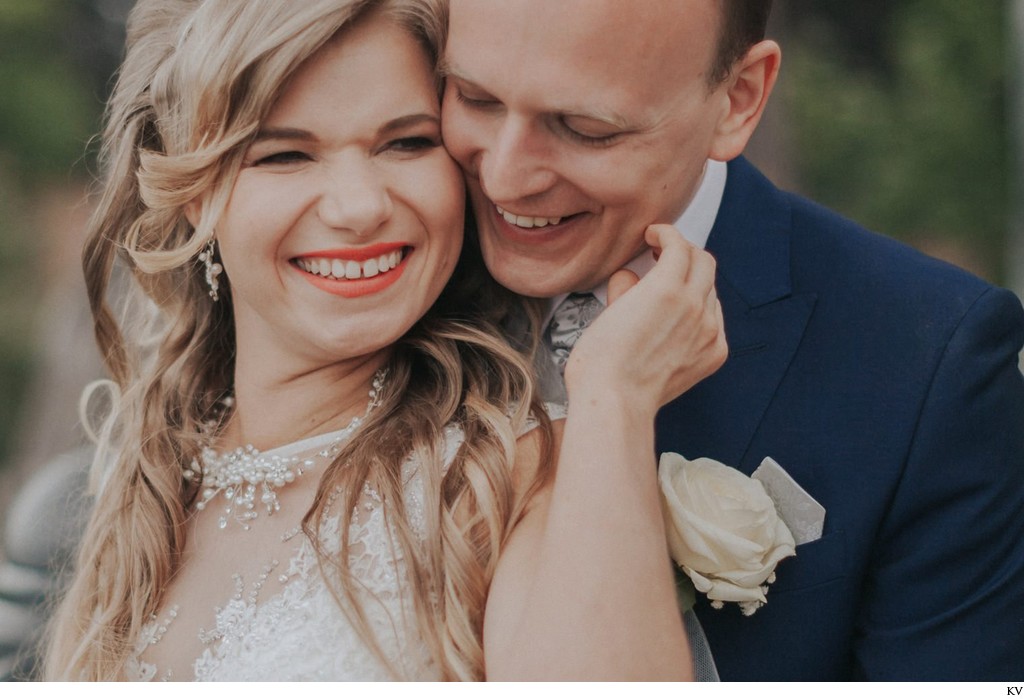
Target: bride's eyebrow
x: 282, y: 133
x: 406, y: 122
x: 287, y: 133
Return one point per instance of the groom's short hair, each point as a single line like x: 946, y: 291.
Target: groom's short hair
x: 744, y: 24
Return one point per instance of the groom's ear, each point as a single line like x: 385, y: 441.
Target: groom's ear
x: 742, y: 98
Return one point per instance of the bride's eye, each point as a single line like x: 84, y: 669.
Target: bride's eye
x: 282, y: 158
x: 412, y: 144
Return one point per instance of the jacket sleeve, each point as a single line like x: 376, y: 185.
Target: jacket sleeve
x: 944, y: 596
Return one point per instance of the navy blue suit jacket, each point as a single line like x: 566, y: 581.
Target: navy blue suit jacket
x: 886, y: 384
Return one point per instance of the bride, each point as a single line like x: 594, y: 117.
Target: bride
x: 323, y: 461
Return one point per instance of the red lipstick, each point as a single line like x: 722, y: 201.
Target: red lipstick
x: 357, y: 254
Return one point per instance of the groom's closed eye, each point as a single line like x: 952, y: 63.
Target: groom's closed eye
x: 476, y: 101
x: 589, y: 131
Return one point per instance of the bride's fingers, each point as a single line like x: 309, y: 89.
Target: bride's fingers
x: 619, y: 283
x: 661, y: 237
x: 711, y: 300
x: 702, y: 269
x: 679, y: 259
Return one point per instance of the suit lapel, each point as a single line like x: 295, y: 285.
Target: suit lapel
x: 764, y: 324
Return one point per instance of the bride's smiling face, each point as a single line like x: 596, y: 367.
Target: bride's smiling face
x: 346, y: 219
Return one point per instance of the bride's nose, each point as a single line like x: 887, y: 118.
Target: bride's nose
x: 355, y: 197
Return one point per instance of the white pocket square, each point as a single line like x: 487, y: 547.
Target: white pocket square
x: 803, y: 515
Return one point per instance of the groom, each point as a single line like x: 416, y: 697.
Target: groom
x: 885, y: 383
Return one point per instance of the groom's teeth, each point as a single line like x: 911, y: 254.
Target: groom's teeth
x: 527, y: 221
x: 351, y: 269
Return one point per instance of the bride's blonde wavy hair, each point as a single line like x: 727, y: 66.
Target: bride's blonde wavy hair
x: 198, y: 79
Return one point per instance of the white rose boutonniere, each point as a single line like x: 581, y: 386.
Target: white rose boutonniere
x: 723, y: 530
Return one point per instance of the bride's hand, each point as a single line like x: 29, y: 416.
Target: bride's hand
x: 659, y: 336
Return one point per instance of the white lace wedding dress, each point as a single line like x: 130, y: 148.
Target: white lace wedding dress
x: 256, y: 605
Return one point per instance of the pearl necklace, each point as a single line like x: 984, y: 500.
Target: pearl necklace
x: 237, y: 475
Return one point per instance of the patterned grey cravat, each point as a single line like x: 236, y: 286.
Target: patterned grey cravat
x: 570, y: 319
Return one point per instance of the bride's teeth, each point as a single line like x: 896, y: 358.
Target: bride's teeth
x: 351, y: 269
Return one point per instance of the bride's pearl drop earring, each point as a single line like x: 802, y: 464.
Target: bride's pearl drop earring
x: 213, y: 269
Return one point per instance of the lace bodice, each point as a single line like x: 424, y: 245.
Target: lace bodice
x: 277, y: 618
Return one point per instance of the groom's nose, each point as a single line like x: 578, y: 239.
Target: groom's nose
x: 517, y: 163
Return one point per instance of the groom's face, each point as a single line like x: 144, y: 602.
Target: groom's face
x: 578, y: 123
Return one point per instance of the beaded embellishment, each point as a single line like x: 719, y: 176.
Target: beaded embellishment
x: 240, y: 474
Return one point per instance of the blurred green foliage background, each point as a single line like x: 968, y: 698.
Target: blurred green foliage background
x: 899, y: 117
x: 56, y: 59
x: 894, y: 112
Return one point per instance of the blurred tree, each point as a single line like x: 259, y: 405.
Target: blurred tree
x: 17, y: 281
x: 49, y: 108
x: 1015, y: 249
x: 859, y: 31
x: 56, y: 58
x: 899, y: 118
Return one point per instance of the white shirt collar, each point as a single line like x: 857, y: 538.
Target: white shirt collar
x: 694, y: 224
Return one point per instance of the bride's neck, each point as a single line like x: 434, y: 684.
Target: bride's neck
x: 277, y: 408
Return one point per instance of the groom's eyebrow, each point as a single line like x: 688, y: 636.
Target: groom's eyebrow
x: 609, y: 117
x: 444, y: 69
x: 447, y: 71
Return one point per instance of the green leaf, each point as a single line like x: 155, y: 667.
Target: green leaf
x: 686, y: 594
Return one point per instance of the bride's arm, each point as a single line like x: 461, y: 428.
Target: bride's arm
x: 584, y: 588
